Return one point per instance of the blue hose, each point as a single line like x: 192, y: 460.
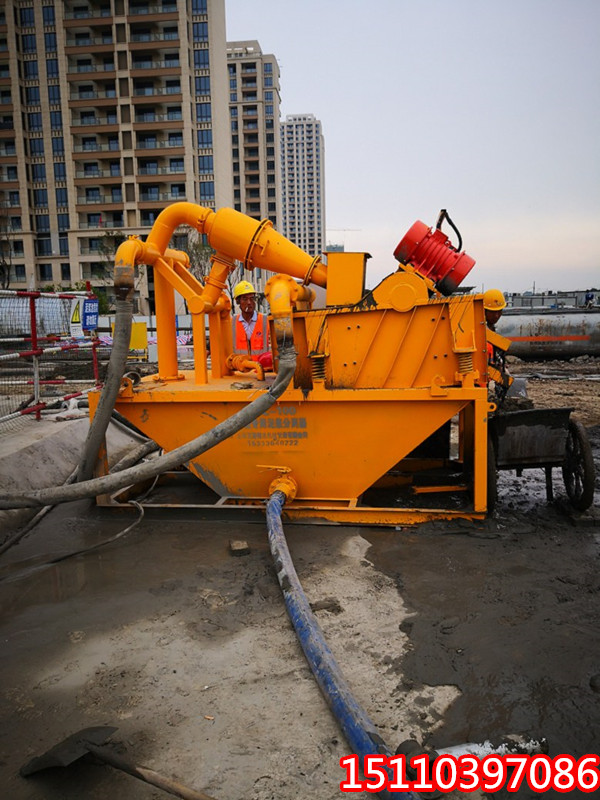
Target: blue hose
x: 358, y: 729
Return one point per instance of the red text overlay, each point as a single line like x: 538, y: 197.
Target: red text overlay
x: 467, y: 773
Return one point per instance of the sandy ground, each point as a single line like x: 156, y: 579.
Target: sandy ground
x: 557, y: 384
x: 447, y: 632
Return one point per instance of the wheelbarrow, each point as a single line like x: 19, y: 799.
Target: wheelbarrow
x: 543, y: 438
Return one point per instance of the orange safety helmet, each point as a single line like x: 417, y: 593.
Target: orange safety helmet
x: 494, y: 300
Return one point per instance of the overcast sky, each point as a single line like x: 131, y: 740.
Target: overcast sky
x: 488, y: 108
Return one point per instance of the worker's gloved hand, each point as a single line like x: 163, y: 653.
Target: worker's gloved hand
x: 266, y: 361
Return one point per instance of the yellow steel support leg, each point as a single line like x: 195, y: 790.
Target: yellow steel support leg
x: 221, y: 343
x: 480, y: 446
x: 166, y: 329
x: 199, y: 337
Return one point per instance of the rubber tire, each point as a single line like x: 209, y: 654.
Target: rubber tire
x: 578, y: 467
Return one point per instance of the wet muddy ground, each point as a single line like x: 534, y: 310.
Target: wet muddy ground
x: 447, y: 633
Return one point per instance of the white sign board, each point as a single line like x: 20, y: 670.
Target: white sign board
x: 75, y: 323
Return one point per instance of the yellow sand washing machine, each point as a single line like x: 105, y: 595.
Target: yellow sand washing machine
x: 382, y: 378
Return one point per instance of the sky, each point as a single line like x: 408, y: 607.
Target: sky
x: 487, y: 108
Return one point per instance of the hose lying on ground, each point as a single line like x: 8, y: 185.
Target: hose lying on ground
x: 111, y: 483
x: 358, y: 729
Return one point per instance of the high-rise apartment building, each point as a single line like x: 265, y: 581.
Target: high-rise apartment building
x: 254, y: 110
x: 109, y: 111
x: 303, y: 182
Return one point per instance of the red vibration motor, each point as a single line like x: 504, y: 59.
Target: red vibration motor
x: 433, y: 256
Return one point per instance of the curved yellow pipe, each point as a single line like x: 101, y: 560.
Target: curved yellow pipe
x: 178, y: 255
x: 281, y: 292
x: 236, y: 237
x: 172, y: 217
x: 240, y: 363
x: 129, y: 253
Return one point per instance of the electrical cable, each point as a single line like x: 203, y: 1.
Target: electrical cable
x: 24, y: 573
x: 142, y: 450
x: 137, y: 503
x: 438, y: 226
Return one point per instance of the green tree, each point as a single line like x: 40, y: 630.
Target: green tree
x: 198, y: 250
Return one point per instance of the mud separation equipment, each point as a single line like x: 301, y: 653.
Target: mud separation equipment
x: 381, y: 374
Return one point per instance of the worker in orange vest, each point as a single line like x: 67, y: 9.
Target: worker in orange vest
x: 250, y: 329
x: 494, y: 304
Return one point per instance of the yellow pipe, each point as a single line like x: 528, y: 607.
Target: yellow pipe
x: 178, y: 255
x: 284, y: 483
x: 281, y: 291
x: 172, y: 217
x: 259, y: 246
x: 240, y: 363
x: 216, y: 281
x: 127, y: 256
x: 235, y: 237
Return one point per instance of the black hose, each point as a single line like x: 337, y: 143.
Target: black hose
x: 111, y: 483
x: 112, y: 384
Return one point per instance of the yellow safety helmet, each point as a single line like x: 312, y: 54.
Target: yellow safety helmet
x: 493, y: 300
x: 243, y: 287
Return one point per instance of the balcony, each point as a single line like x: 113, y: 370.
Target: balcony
x: 89, y: 251
x: 165, y: 8
x: 161, y: 170
x: 83, y: 121
x: 90, y: 13
x: 101, y: 224
x: 88, y: 41
x: 162, y: 64
x: 153, y: 37
x: 151, y: 117
x: 96, y: 148
x: 155, y: 144
x: 90, y: 68
x: 160, y: 197
x: 151, y: 91
x: 93, y: 95
x: 99, y: 173
x: 99, y: 199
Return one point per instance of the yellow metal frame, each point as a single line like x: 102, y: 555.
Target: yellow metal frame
x: 378, y: 373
